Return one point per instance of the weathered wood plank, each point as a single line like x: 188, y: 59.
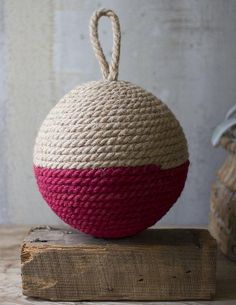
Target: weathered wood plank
x: 164, y: 264
x: 10, y: 279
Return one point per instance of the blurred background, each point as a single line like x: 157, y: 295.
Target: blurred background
x: 183, y: 51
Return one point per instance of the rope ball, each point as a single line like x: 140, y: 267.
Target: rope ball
x: 110, y: 158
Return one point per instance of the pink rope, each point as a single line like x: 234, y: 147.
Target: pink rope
x: 111, y: 202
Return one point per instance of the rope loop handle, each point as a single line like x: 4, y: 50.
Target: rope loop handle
x: 109, y: 72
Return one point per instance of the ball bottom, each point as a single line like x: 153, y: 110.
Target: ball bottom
x: 111, y: 202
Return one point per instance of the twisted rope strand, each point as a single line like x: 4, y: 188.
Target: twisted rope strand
x: 109, y: 72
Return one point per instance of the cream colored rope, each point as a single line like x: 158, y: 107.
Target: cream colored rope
x: 109, y: 72
x: 110, y: 124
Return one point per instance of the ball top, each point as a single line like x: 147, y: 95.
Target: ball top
x: 110, y: 123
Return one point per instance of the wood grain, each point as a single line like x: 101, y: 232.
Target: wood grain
x: 166, y: 264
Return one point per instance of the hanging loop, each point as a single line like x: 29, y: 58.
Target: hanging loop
x: 109, y: 72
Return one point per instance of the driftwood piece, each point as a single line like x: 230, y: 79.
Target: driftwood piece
x: 222, y: 223
x: 223, y: 202
x: 164, y: 264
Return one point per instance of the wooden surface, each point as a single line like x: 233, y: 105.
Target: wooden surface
x: 157, y: 264
x: 223, y: 202
x: 222, y: 223
x: 10, y: 279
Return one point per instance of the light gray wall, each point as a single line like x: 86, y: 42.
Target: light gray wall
x: 184, y: 51
x: 3, y: 112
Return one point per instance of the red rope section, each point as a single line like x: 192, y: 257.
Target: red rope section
x: 111, y: 202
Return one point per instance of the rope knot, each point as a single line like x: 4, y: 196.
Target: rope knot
x: 109, y: 72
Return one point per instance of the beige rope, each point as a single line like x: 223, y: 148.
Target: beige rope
x: 109, y: 72
x: 110, y: 124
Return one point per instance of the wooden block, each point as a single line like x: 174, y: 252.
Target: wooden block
x: 163, y: 264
